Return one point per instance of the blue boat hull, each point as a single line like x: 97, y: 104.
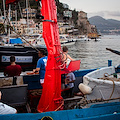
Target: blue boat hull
x: 106, y: 111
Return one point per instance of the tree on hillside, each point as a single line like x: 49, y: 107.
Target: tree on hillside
x: 75, y: 17
x: 60, y: 8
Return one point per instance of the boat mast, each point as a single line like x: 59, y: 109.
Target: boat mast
x: 9, y: 21
x: 16, y: 18
x: 1, y: 12
x: 20, y: 10
x: 27, y: 16
x: 4, y: 16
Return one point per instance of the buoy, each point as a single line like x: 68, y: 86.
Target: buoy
x: 85, y: 89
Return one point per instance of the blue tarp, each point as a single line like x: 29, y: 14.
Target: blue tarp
x: 15, y: 41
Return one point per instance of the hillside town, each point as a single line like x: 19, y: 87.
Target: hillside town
x: 28, y: 24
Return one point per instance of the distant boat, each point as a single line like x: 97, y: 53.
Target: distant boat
x: 35, y: 39
x: 67, y: 43
x: 93, y: 35
x: 83, y: 38
x: 66, y: 40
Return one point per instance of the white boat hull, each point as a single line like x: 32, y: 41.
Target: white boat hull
x: 102, y: 89
x: 67, y: 43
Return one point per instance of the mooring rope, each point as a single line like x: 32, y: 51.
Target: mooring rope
x: 111, y: 79
x: 83, y: 102
x: 113, y: 88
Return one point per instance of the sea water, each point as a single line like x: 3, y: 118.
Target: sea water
x: 93, y: 54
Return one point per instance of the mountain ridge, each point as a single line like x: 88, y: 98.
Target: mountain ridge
x: 105, y: 25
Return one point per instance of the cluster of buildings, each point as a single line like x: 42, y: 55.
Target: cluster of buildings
x: 24, y: 26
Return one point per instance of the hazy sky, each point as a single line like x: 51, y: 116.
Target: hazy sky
x: 108, y: 9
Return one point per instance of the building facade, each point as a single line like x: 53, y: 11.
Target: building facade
x: 84, y: 26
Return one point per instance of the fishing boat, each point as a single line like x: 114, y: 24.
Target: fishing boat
x: 26, y: 56
x: 105, y: 111
x: 28, y: 101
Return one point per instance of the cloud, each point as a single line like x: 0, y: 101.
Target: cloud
x: 114, y: 13
x: 106, y: 14
x: 96, y: 14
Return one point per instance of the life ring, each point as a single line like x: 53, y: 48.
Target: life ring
x: 47, y: 118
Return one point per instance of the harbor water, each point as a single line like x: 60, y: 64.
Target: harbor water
x: 93, y: 54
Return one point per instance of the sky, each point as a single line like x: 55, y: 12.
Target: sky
x: 108, y: 9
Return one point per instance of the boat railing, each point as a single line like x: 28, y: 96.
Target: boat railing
x: 15, y: 95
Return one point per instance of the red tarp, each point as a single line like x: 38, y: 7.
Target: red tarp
x: 74, y: 65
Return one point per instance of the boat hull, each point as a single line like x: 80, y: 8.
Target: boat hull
x: 104, y: 89
x: 68, y: 43
x: 26, y: 57
x: 107, y: 111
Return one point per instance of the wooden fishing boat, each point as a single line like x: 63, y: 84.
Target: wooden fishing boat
x: 102, y: 84
x: 28, y: 101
